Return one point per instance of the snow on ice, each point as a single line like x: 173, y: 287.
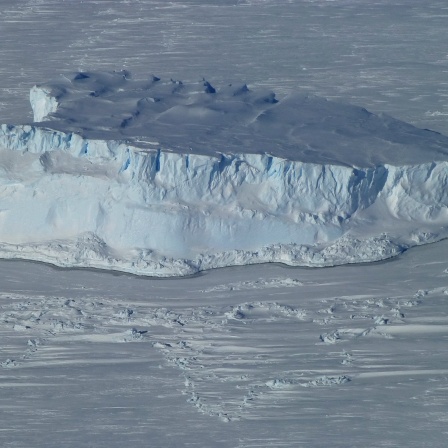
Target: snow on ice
x: 161, y: 177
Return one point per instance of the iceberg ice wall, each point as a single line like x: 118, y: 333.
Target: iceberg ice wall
x: 165, y: 178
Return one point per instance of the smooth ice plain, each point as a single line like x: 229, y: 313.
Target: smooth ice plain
x: 262, y: 355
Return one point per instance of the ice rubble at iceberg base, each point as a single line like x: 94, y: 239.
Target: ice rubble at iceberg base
x: 76, y: 201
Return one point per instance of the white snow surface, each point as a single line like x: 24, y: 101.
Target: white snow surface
x: 254, y: 356
x: 164, y: 178
x: 247, y: 356
x: 199, y: 118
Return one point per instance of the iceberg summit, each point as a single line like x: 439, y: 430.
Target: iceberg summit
x: 164, y: 178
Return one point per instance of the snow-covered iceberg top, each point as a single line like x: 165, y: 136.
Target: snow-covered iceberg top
x: 165, y: 178
x: 202, y: 119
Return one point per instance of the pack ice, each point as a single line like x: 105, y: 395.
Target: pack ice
x: 163, y: 178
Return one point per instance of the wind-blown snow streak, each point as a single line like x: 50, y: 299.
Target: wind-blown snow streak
x: 107, y: 203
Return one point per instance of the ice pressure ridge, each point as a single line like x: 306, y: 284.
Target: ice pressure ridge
x: 163, y: 178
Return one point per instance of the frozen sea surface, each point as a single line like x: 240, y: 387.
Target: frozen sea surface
x: 85, y: 372
x: 238, y: 357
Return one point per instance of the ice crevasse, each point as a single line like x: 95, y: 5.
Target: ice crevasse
x: 177, y: 178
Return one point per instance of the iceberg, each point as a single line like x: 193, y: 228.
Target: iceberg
x: 165, y: 178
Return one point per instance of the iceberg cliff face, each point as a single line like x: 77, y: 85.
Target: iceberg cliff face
x: 78, y: 201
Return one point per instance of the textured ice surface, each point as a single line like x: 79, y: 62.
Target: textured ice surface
x: 276, y: 353
x: 165, y: 178
x: 202, y: 119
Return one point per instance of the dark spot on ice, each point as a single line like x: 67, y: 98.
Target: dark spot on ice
x: 126, y: 164
x: 178, y: 85
x: 208, y: 87
x: 125, y: 73
x: 79, y: 76
x: 125, y: 122
x: 224, y: 162
x: 241, y: 90
x: 270, y: 99
x: 430, y: 130
x: 158, y: 161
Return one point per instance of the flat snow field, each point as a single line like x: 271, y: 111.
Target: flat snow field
x: 352, y: 356
x: 255, y: 356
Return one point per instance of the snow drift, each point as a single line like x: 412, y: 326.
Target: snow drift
x: 168, y: 178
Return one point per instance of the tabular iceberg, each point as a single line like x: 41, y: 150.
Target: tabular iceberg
x: 168, y: 178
